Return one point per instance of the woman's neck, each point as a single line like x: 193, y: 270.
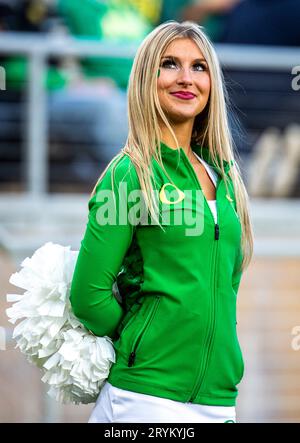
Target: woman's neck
x: 183, y: 135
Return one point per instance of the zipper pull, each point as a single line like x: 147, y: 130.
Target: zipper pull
x: 131, y: 359
x: 217, y: 231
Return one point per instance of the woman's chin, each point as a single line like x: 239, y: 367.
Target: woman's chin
x: 181, y: 118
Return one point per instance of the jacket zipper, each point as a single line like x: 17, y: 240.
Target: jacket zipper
x: 142, y: 331
x: 198, y: 384
x: 201, y: 373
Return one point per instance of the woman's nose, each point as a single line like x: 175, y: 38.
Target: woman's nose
x: 184, y: 76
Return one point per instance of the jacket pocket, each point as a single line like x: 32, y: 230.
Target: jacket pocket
x: 128, y: 323
x: 140, y: 335
x: 125, y: 324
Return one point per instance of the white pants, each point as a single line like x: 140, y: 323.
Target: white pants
x: 115, y: 405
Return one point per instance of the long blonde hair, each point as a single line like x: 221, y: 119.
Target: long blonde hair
x: 210, y: 129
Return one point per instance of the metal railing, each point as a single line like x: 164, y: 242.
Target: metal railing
x: 39, y: 48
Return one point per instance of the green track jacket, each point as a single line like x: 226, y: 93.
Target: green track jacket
x: 174, y: 324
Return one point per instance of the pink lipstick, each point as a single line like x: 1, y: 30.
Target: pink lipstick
x: 184, y: 95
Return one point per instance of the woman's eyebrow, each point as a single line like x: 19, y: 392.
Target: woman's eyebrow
x: 177, y: 59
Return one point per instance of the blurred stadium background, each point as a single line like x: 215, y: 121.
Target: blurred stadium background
x: 64, y: 67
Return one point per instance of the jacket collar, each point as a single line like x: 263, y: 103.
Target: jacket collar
x: 168, y: 153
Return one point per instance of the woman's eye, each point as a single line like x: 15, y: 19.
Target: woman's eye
x: 168, y: 64
x: 200, y: 67
x: 171, y: 64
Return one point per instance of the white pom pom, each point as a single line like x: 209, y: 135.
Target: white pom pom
x: 79, y: 368
x: 75, y: 362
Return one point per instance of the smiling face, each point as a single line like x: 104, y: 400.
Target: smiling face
x: 183, y: 84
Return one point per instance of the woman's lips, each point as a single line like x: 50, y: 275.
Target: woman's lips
x: 184, y: 95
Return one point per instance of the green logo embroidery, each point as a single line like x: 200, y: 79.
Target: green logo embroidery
x: 229, y: 421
